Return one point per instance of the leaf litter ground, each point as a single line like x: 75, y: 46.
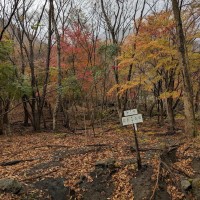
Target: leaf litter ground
x: 60, y: 165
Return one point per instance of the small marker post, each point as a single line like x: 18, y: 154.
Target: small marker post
x: 131, y: 117
x: 139, y: 162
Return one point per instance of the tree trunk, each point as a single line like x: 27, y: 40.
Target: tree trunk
x: 59, y: 101
x: 1, y: 118
x: 197, y: 100
x: 55, y: 113
x: 6, y: 109
x: 26, y: 114
x: 160, y: 109
x: 65, y: 115
x: 37, y: 119
x: 35, y: 94
x: 4, y: 119
x: 169, y: 85
x: 23, y: 65
x: 190, y: 122
x: 151, y: 109
x: 161, y: 113
x: 170, y: 114
x: 50, y: 110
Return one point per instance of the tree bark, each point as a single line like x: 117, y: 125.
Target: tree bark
x: 26, y: 114
x: 59, y: 102
x: 16, y: 2
x: 1, y: 118
x: 4, y: 118
x: 169, y: 85
x: 190, y: 122
x: 197, y: 100
x: 170, y: 114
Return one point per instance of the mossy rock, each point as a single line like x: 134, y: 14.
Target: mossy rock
x: 10, y: 185
x: 196, y: 188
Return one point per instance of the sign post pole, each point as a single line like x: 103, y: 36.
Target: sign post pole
x: 131, y: 117
x: 139, y: 162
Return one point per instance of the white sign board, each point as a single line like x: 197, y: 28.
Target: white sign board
x: 130, y: 112
x: 132, y: 119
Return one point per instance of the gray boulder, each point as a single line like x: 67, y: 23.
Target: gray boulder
x: 186, y: 185
x: 10, y: 185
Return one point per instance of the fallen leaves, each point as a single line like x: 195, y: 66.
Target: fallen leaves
x: 73, y: 156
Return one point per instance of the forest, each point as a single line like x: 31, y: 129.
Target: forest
x: 99, y: 99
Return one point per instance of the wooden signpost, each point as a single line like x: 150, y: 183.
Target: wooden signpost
x: 131, y: 117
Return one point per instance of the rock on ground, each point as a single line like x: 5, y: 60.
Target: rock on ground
x: 185, y: 185
x: 196, y: 188
x: 10, y: 185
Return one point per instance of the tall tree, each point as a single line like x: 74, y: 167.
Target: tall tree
x: 118, y: 16
x: 190, y: 123
x: 7, y: 11
x: 29, y: 21
x: 59, y: 99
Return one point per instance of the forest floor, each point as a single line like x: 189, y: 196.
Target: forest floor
x: 65, y: 165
